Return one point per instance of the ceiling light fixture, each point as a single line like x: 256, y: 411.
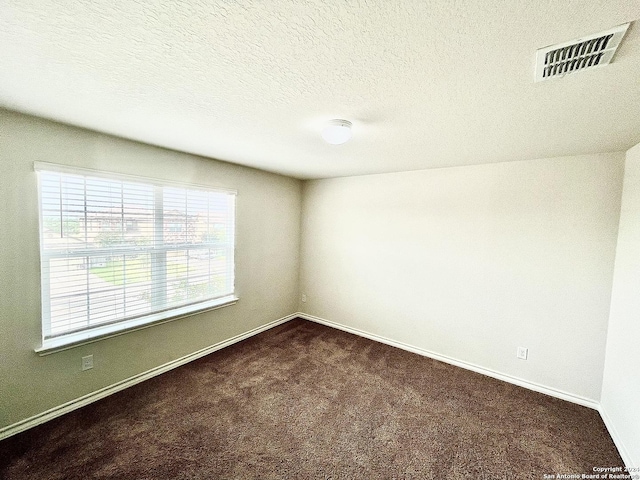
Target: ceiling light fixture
x: 337, y: 131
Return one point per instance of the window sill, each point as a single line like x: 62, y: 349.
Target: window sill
x: 72, y: 340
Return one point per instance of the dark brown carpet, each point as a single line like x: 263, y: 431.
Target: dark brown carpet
x: 307, y: 401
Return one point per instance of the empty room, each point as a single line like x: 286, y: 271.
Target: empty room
x: 278, y: 239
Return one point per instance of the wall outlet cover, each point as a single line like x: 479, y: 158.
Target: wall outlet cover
x: 87, y: 362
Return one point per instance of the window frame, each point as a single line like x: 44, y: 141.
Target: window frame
x: 51, y: 344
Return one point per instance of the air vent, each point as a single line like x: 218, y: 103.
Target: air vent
x: 588, y: 52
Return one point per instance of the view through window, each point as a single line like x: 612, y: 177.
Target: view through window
x: 115, y: 249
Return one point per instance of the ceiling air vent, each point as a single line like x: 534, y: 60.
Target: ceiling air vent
x: 587, y: 52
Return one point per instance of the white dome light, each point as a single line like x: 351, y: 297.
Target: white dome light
x: 337, y: 131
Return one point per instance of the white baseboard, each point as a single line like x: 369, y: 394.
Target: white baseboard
x: 624, y: 453
x: 586, y: 402
x: 116, y: 387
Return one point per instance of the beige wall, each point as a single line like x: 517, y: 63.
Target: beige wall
x: 268, y: 223
x: 621, y: 383
x: 472, y: 262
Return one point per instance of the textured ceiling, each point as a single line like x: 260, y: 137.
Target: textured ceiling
x: 426, y: 83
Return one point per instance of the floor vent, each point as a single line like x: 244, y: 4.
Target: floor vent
x: 580, y: 54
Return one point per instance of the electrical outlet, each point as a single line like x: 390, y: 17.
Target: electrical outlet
x: 523, y: 353
x: 87, y: 362
x: 304, y: 297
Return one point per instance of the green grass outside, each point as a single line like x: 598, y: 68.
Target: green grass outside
x: 138, y: 270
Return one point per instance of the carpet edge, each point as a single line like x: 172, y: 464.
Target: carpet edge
x: 577, y: 399
x: 79, y: 402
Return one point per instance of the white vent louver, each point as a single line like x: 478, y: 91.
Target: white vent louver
x: 587, y: 52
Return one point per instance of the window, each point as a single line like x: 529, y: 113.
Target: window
x: 119, y: 252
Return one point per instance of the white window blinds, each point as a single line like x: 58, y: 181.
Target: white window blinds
x: 118, y: 249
